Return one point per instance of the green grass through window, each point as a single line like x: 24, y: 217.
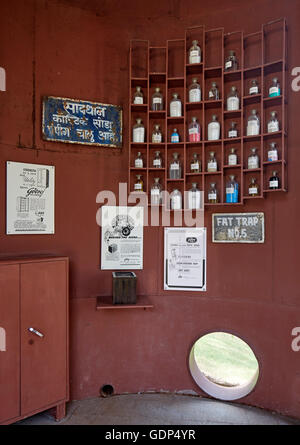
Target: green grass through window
x: 225, y: 359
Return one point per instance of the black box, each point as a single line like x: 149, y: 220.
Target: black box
x: 124, y: 288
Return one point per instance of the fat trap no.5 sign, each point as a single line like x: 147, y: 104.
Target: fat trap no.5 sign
x: 238, y: 228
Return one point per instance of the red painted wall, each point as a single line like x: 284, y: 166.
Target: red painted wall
x: 79, y: 49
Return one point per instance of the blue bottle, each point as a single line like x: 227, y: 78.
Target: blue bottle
x: 232, y: 190
x: 175, y: 136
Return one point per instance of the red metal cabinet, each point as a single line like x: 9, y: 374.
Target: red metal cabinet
x: 34, y: 314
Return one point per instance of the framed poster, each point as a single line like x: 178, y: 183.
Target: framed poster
x: 122, y: 237
x: 29, y: 198
x: 185, y: 259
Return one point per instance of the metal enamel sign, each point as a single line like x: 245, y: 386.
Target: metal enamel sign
x: 238, y: 228
x: 81, y: 122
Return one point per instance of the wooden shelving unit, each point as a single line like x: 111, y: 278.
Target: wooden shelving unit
x: 261, y: 55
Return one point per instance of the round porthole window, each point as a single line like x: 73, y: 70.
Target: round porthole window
x: 224, y: 366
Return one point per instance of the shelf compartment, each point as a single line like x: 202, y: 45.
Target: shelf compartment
x: 232, y: 76
x: 213, y: 103
x: 252, y: 99
x: 175, y: 82
x: 194, y: 68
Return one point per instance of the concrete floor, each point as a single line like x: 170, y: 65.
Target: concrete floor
x: 159, y: 409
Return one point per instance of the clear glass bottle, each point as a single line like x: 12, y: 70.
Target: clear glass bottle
x: 214, y: 93
x: 194, y: 197
x: 231, y: 62
x: 157, y: 100
x: 253, y: 88
x: 233, y: 101
x: 157, y: 161
x: 156, y: 135
x: 253, y: 124
x: 138, y: 162
x: 212, y: 193
x: 232, y: 157
x: 138, y: 97
x: 273, y: 152
x: 139, y: 184
x: 176, y: 200
x: 232, y: 190
x: 194, y: 91
x: 175, y: 106
x: 273, y: 123
x: 253, y: 189
x: 274, y: 89
x: 194, y: 130
x: 175, y: 136
x: 155, y: 192
x: 233, y: 132
x: 195, y: 164
x: 213, y: 129
x: 195, y: 53
x: 138, y: 135
x: 212, y: 165
x: 274, y: 182
x: 253, y: 159
x: 175, y: 167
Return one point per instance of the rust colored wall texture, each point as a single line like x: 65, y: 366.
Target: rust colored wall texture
x: 79, y: 49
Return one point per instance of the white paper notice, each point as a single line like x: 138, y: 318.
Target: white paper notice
x: 185, y: 259
x: 122, y: 237
x: 29, y: 198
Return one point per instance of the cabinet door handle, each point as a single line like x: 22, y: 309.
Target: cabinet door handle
x: 36, y: 332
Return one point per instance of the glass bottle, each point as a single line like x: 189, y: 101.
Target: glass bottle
x: 138, y: 97
x: 214, y: 93
x: 273, y: 152
x: 212, y: 165
x: 138, y: 132
x: 175, y: 136
x: 233, y: 101
x: 176, y: 200
x: 232, y: 157
x: 138, y: 162
x: 139, y: 185
x: 274, y: 182
x: 175, y: 106
x: 194, y: 130
x: 195, y: 53
x: 231, y: 61
x: 194, y: 197
x: 155, y: 192
x: 232, y: 132
x: 274, y: 89
x: 253, y: 125
x: 232, y: 190
x: 175, y: 167
x: 273, y: 124
x: 253, y: 159
x: 253, y: 188
x: 212, y: 193
x: 213, y: 129
x: 195, y: 164
x: 194, y: 91
x: 156, y: 135
x: 157, y: 100
x: 157, y: 161
x: 254, y: 88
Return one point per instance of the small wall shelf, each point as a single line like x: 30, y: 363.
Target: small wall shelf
x: 261, y: 55
x: 104, y: 303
